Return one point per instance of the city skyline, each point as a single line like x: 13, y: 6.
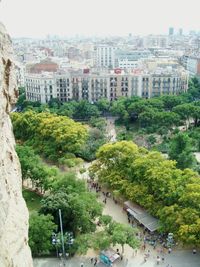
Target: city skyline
x: 101, y: 18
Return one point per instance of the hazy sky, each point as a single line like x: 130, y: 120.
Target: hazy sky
x: 38, y: 18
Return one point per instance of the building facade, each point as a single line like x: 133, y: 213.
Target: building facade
x: 104, y: 56
x: 130, y: 59
x: 40, y: 87
x: 171, y: 31
x: 110, y: 85
x: 193, y: 65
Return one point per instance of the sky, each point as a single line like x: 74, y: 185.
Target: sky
x: 38, y: 18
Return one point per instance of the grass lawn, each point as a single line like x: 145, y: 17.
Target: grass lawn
x: 32, y: 200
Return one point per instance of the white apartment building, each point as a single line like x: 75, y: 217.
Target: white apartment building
x: 128, y: 64
x: 193, y: 65
x: 110, y: 85
x: 155, y: 41
x: 40, y: 87
x: 126, y: 59
x: 20, y: 74
x: 104, y: 56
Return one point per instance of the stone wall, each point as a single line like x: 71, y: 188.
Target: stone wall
x: 14, y: 249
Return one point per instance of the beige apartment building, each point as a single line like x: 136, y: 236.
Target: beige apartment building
x: 111, y: 85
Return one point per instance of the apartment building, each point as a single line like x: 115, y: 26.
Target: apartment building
x: 104, y: 56
x: 40, y: 87
x: 108, y: 84
x: 130, y: 59
x: 193, y: 65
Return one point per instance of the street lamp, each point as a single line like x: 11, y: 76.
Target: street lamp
x: 55, y: 242
x: 62, y: 237
x: 69, y: 239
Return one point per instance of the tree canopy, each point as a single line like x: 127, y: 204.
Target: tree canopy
x: 153, y: 182
x: 50, y: 134
x: 40, y: 231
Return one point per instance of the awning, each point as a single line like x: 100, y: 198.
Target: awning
x: 148, y: 221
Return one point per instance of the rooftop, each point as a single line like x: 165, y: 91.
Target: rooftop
x: 148, y: 221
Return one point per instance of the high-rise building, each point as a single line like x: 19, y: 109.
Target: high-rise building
x: 105, y: 56
x: 171, y: 31
x: 180, y: 31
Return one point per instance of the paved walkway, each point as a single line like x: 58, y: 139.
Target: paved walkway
x: 110, y: 129
x: 176, y: 259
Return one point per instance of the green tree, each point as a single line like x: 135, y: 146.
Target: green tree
x: 85, y: 110
x: 123, y: 234
x: 151, y: 140
x: 79, y: 210
x: 33, y: 168
x: 171, y: 101
x: 40, y: 231
x: 49, y: 134
x: 118, y: 109
x: 147, y: 118
x: 113, y: 233
x: 103, y: 105
x: 147, y: 178
x: 67, y: 109
x: 54, y: 103
x: 180, y: 150
x: 184, y: 111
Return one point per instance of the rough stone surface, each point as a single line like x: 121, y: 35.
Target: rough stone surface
x: 14, y: 249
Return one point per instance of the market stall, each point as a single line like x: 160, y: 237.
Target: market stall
x: 108, y: 256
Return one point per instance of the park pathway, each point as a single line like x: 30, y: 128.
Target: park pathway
x: 110, y: 129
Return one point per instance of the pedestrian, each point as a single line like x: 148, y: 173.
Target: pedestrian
x: 82, y: 264
x: 95, y: 261
x: 194, y: 251
x: 91, y: 260
x: 169, y: 250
